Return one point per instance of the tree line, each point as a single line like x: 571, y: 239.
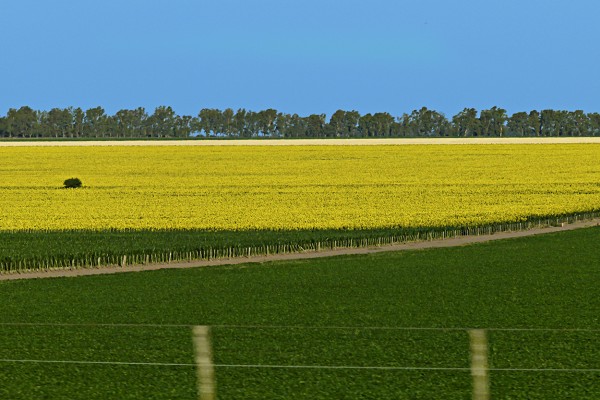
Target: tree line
x: 210, y: 122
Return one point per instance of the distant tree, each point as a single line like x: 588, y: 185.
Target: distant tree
x: 344, y: 123
x: 466, y: 123
x: 351, y: 123
x: 425, y: 122
x: 523, y: 124
x: 239, y: 123
x: 183, y: 126
x: 440, y: 126
x: 365, y: 125
x: 125, y: 123
x: 518, y: 124
x: 534, y: 124
x: 95, y: 122
x: 211, y: 121
x: 109, y: 126
x: 315, y: 124
x: 266, y: 122
x: 402, y: 125
x: 548, y: 123
x: 337, y: 123
x: 594, y: 124
x: 297, y: 127
x: 227, y: 122
x: 78, y: 122
x: 492, y: 121
x: 59, y: 123
x: 72, y: 183
x: 22, y: 122
x: 163, y: 122
x: 578, y: 123
x: 282, y: 122
x: 3, y: 131
x: 252, y: 127
x: 382, y: 124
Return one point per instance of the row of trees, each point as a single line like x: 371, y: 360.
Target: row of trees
x: 164, y: 122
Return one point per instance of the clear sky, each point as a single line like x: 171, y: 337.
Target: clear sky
x: 301, y: 56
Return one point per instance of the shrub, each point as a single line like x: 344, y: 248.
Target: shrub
x: 72, y: 183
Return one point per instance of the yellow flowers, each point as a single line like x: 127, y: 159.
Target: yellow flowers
x: 293, y: 187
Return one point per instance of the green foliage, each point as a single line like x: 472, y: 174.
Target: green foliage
x: 72, y: 183
x: 547, y: 281
x: 72, y: 122
x: 67, y: 249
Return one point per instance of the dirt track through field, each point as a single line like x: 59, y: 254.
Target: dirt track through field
x: 305, y: 142
x: 453, y: 242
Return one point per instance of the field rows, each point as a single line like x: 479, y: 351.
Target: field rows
x: 301, y: 329
x: 294, y: 188
x: 28, y: 252
x: 283, y: 314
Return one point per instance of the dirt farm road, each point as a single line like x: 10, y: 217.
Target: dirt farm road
x: 452, y: 242
x: 305, y: 142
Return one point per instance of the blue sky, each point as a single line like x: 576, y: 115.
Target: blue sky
x: 308, y: 56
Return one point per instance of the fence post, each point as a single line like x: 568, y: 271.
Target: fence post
x: 479, y: 364
x: 204, y: 364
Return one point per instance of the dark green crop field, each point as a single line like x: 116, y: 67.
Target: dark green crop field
x: 41, y: 250
x: 333, y: 328
x: 51, y: 249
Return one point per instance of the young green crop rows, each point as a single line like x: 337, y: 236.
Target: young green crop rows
x: 34, y: 250
x: 343, y: 311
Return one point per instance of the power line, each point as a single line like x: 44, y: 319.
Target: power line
x: 299, y: 327
x: 277, y: 366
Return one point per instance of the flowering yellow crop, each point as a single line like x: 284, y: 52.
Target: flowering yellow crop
x: 293, y: 187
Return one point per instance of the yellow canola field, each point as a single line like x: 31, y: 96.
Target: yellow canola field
x: 293, y: 187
